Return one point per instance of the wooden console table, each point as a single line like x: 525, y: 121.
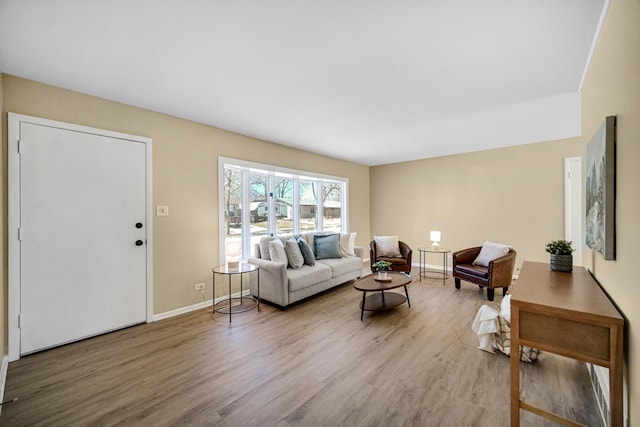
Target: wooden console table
x: 567, y: 314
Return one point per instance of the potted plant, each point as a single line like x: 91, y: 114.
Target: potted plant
x: 382, y: 267
x: 561, y: 255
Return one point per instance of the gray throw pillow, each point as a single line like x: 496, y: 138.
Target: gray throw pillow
x: 294, y: 254
x: 327, y: 246
x: 307, y: 252
x: 277, y: 252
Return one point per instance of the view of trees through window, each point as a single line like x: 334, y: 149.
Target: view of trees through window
x: 232, y: 186
x: 279, y: 203
x: 332, y: 206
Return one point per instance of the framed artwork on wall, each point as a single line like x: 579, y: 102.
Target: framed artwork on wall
x: 600, y: 194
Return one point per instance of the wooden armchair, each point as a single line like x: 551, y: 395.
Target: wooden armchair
x: 402, y: 263
x: 497, y: 275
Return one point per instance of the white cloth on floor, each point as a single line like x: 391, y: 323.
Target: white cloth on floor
x: 505, y: 308
x: 485, y: 325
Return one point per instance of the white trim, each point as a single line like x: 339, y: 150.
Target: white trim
x: 149, y: 225
x: 13, y: 220
x: 567, y: 198
x: 221, y: 222
x: 344, y: 208
x: 600, y: 386
x: 603, y: 15
x: 3, y: 378
x: 432, y: 266
x: 573, y: 201
x: 13, y: 184
x: 194, y: 307
x: 271, y: 171
x: 265, y: 168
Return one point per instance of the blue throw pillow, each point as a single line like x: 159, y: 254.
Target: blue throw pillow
x: 307, y: 252
x: 327, y: 246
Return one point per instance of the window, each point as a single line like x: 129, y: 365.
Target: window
x: 307, y: 206
x: 232, y: 213
x: 283, y: 200
x: 332, y: 206
x: 259, y: 200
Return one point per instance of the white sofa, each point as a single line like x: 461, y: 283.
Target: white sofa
x: 282, y: 285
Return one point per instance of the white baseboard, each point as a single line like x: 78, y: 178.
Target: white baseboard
x: 600, y: 384
x: 194, y: 307
x: 432, y: 266
x: 3, y: 377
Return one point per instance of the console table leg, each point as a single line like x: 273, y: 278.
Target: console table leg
x: 514, y: 360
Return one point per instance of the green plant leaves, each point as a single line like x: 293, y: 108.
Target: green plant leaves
x: 559, y: 247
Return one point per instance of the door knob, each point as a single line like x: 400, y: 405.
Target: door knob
x: 138, y: 225
x: 139, y: 243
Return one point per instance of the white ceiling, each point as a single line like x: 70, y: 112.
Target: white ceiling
x: 371, y: 81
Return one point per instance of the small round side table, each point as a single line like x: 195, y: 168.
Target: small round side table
x: 434, y: 274
x: 233, y: 304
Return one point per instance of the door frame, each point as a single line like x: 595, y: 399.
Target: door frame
x: 573, y: 201
x: 13, y: 160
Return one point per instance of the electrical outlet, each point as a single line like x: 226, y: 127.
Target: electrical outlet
x: 198, y: 287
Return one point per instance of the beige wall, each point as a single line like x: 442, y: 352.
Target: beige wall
x: 612, y: 87
x: 512, y: 195
x: 515, y: 195
x: 185, y: 177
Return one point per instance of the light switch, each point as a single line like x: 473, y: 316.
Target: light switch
x: 162, y: 210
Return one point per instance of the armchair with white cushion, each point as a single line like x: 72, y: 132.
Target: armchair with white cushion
x: 488, y: 266
x: 392, y: 250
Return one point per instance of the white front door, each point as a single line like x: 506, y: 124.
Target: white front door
x: 82, y: 235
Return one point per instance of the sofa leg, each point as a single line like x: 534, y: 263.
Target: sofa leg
x: 490, y: 294
x: 504, y: 290
x: 457, y: 281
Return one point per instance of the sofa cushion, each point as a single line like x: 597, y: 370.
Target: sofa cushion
x: 327, y: 246
x: 309, y: 237
x: 489, y: 252
x: 308, y: 276
x: 387, y: 246
x: 264, y: 247
x: 347, y: 244
x: 340, y: 266
x: 307, y: 252
x: 294, y: 255
x: 277, y: 252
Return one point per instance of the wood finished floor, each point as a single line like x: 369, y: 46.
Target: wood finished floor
x: 315, y: 364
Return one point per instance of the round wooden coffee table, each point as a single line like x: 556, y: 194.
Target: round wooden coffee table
x: 380, y: 300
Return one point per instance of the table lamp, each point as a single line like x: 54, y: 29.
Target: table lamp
x: 435, y: 236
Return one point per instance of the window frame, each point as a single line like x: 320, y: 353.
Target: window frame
x: 272, y: 172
